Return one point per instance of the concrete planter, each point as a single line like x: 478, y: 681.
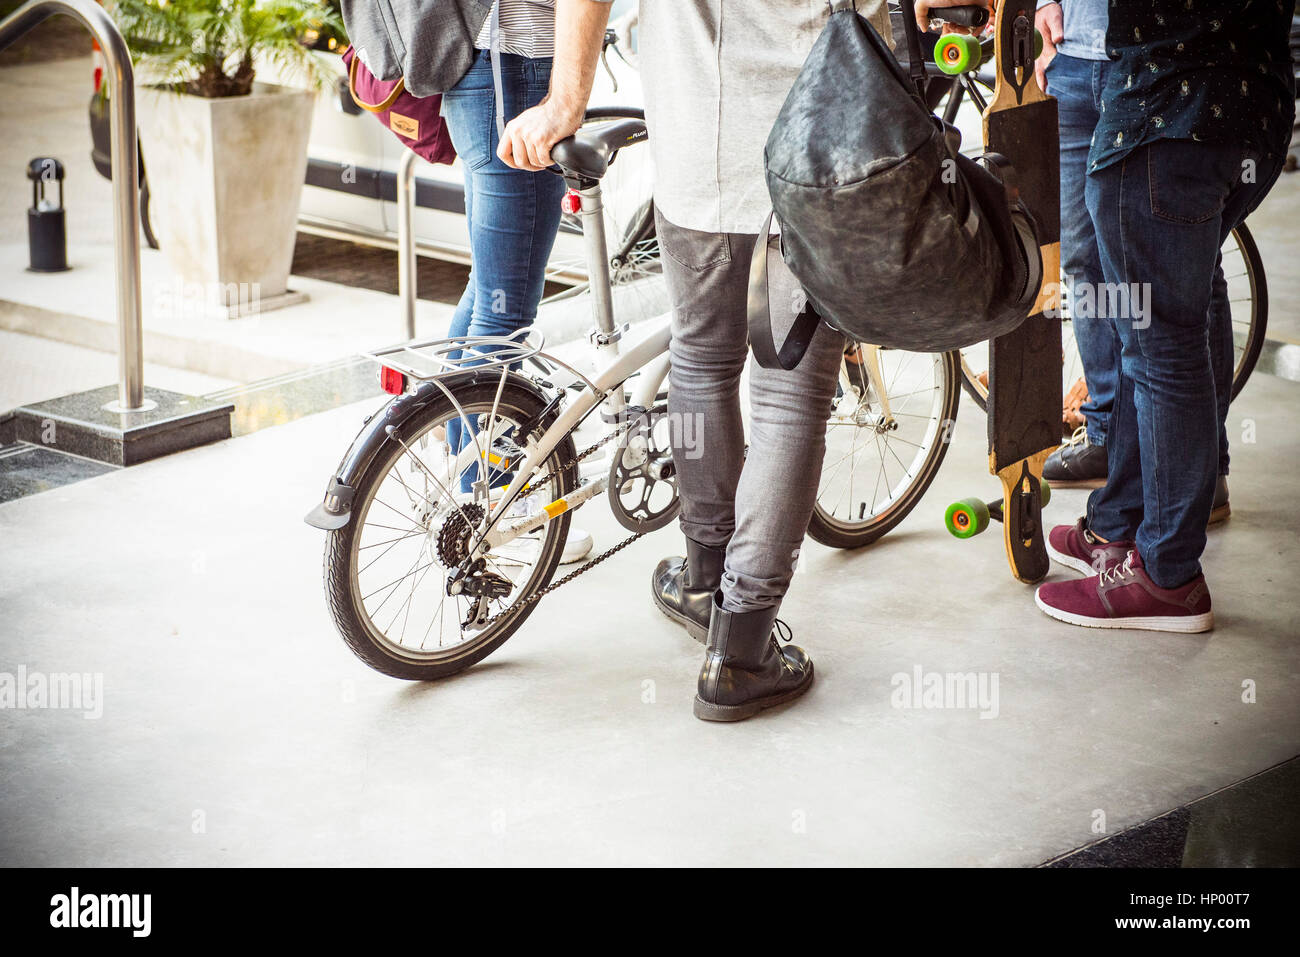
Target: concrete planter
x: 226, y: 178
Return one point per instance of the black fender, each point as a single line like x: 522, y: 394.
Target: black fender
x: 385, y: 426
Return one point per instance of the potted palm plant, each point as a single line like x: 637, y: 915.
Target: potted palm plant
x: 227, y: 153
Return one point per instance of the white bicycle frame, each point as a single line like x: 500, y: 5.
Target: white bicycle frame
x: 650, y: 352
x: 615, y: 366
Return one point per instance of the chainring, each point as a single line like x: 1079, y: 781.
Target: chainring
x: 642, y: 484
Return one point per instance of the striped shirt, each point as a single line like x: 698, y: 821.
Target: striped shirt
x: 527, y: 28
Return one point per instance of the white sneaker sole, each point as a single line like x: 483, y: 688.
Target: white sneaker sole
x: 577, y: 547
x: 1181, y: 624
x: 524, y: 549
x: 1070, y: 561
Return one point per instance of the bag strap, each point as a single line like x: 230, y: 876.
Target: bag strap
x: 380, y: 107
x: 759, y: 309
x: 915, y: 63
x: 494, y: 51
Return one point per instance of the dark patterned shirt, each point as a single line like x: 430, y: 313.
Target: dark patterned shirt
x: 1214, y: 72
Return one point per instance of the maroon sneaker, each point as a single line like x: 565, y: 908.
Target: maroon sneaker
x: 1124, y: 596
x: 1076, y: 547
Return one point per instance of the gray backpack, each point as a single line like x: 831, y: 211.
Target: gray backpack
x: 897, y: 239
x: 428, y: 42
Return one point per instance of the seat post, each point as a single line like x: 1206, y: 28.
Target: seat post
x: 605, y: 336
x: 592, y: 215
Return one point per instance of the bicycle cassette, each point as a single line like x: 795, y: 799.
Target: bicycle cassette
x: 642, y: 478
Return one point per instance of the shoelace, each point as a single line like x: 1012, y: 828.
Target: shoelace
x: 1079, y: 437
x: 1118, y: 572
x: 782, y: 631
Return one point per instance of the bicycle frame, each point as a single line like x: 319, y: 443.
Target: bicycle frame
x: 648, y: 354
x: 651, y: 350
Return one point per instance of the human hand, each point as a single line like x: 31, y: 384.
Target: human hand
x: 1051, y: 25
x: 529, y: 137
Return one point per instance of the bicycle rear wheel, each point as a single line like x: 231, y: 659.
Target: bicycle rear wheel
x: 888, y: 434
x: 387, y: 571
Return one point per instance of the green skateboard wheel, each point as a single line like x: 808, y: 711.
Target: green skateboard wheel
x: 957, y: 53
x: 1045, y: 490
x: 1038, y: 44
x: 967, y: 518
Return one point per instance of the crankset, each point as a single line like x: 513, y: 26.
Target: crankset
x: 642, y: 478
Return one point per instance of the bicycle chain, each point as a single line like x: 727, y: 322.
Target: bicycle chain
x: 534, y: 599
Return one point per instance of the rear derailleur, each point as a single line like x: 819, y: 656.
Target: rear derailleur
x: 481, y: 587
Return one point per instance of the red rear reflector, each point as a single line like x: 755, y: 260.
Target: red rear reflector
x: 391, y: 381
x: 572, y: 203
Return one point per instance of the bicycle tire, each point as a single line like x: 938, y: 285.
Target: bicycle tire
x: 1258, y: 330
x: 825, y: 529
x: 340, y: 556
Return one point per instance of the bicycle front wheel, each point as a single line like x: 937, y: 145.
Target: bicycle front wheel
x: 888, y: 433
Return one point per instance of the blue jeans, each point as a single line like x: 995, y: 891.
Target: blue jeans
x: 1077, y: 85
x: 1161, y: 215
x: 512, y: 214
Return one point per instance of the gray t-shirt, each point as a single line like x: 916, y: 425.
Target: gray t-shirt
x: 715, y: 74
x: 1085, y: 28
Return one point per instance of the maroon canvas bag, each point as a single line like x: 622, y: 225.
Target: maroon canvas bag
x: 416, y: 121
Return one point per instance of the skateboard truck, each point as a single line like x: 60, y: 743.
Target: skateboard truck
x: 970, y: 516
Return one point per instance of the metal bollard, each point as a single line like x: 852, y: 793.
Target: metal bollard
x: 47, y: 231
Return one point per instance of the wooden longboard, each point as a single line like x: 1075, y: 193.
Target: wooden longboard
x: 1024, y: 405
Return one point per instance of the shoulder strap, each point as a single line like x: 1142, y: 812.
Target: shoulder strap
x: 494, y: 47
x: 758, y: 308
x: 915, y: 59
x: 383, y: 105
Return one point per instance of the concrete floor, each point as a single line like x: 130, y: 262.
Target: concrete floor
x: 238, y: 729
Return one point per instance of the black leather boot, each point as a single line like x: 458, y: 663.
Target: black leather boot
x: 683, y: 587
x: 746, y: 669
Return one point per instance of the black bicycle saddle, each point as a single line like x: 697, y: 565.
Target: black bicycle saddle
x: 588, y: 152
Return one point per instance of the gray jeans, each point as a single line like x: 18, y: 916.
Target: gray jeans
x: 757, y: 505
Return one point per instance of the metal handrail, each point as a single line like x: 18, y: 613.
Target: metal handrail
x: 406, y: 239
x: 126, y: 173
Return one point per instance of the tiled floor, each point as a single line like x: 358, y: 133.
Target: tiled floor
x: 30, y: 469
